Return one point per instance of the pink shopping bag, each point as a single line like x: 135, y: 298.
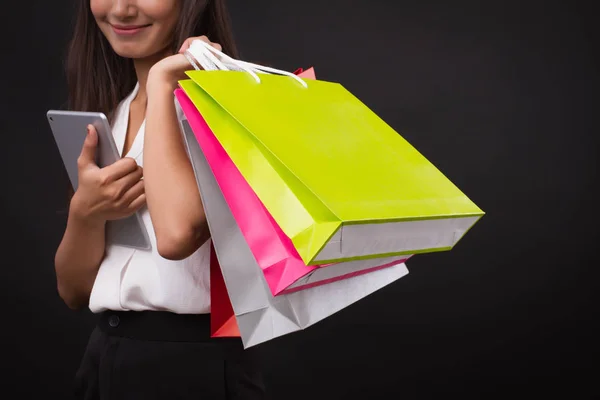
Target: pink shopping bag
x: 283, y: 269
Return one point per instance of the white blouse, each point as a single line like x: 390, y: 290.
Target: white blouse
x: 136, y: 280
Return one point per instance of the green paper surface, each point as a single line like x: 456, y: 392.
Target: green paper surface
x: 318, y: 158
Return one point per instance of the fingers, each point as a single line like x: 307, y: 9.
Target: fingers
x: 137, y: 203
x: 188, y: 42
x: 119, y: 169
x: 128, y: 188
x: 127, y: 181
x: 135, y: 197
x: 88, y: 151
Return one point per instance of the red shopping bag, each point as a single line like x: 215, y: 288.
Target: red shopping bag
x: 222, y: 318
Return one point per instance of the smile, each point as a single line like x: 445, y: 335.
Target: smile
x: 128, y: 30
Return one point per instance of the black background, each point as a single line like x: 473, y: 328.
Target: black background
x: 500, y: 95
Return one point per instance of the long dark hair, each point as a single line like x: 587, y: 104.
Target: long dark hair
x: 98, y: 78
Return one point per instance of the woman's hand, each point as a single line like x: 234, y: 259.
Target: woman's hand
x: 167, y: 72
x: 108, y: 193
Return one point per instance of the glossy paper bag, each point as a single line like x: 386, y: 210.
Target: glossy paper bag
x: 273, y: 251
x: 339, y: 181
x: 261, y: 316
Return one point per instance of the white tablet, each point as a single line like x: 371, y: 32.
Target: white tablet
x: 70, y: 129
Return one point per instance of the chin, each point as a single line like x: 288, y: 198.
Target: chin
x: 131, y: 51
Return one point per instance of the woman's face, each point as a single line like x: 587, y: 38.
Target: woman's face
x: 137, y: 28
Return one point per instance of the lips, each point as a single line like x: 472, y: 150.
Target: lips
x: 128, y: 29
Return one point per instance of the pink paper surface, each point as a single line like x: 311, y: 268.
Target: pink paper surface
x: 340, y: 277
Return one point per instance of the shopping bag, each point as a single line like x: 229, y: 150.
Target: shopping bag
x: 222, y: 318
x: 260, y: 316
x: 367, y: 192
x: 273, y: 251
x: 283, y: 268
x: 306, y: 74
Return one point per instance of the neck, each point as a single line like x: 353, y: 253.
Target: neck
x: 142, y: 68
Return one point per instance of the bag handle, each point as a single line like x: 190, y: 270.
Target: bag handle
x: 210, y: 62
x: 203, y: 53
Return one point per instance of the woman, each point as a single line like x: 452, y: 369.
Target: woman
x: 152, y: 340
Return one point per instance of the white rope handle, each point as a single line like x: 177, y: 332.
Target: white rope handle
x: 243, y: 64
x: 206, y: 62
x: 210, y: 62
x: 208, y: 65
x: 202, y: 51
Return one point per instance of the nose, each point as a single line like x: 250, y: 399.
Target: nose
x: 124, y: 9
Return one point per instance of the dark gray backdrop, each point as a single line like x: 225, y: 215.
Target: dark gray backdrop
x: 502, y: 96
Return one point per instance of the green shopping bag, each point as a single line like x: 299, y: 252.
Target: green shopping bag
x: 339, y: 181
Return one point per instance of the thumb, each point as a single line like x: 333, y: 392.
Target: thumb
x: 88, y: 151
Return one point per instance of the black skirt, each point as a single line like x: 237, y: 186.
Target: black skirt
x: 158, y: 355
